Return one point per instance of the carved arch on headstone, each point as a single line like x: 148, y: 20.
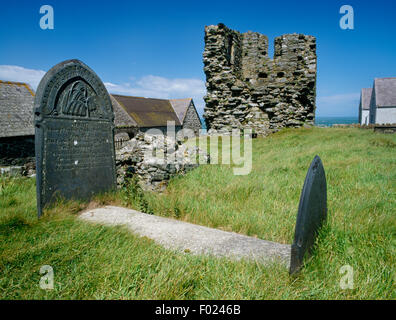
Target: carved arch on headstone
x: 71, y: 88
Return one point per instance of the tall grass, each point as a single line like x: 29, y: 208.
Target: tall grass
x: 97, y: 262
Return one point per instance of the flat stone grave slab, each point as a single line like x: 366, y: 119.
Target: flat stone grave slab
x: 192, y: 238
x: 196, y: 239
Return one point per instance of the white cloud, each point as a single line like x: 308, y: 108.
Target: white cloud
x: 21, y: 74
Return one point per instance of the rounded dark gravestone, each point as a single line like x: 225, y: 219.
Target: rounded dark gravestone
x: 312, y: 212
x: 74, y: 130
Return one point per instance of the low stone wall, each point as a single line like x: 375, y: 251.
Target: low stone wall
x: 153, y: 160
x: 130, y: 131
x: 16, y: 151
x: 385, y: 128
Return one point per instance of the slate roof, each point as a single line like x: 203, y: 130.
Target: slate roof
x: 180, y: 106
x: 16, y: 109
x: 385, y: 92
x: 148, y: 112
x: 121, y: 117
x: 365, y: 98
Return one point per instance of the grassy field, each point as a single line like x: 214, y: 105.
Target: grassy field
x: 97, y: 262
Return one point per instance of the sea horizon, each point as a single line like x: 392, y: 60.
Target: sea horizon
x: 331, y: 120
x: 322, y: 121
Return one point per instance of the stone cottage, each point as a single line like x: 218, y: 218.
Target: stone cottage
x: 133, y: 114
x: 148, y: 113
x: 188, y: 115
x: 248, y: 89
x: 383, y: 101
x: 364, y: 106
x: 125, y: 126
x: 16, y: 124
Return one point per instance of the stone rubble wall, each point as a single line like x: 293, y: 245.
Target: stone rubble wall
x: 247, y: 89
x: 154, y: 159
x: 16, y: 151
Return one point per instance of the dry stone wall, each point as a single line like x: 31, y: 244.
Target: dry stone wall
x: 16, y: 150
x: 154, y: 159
x: 247, y: 89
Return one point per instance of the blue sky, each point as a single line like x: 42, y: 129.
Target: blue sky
x: 154, y: 48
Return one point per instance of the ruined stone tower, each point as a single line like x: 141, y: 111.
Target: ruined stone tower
x: 245, y: 88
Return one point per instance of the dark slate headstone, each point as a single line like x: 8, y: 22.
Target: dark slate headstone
x: 312, y: 213
x: 74, y: 128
